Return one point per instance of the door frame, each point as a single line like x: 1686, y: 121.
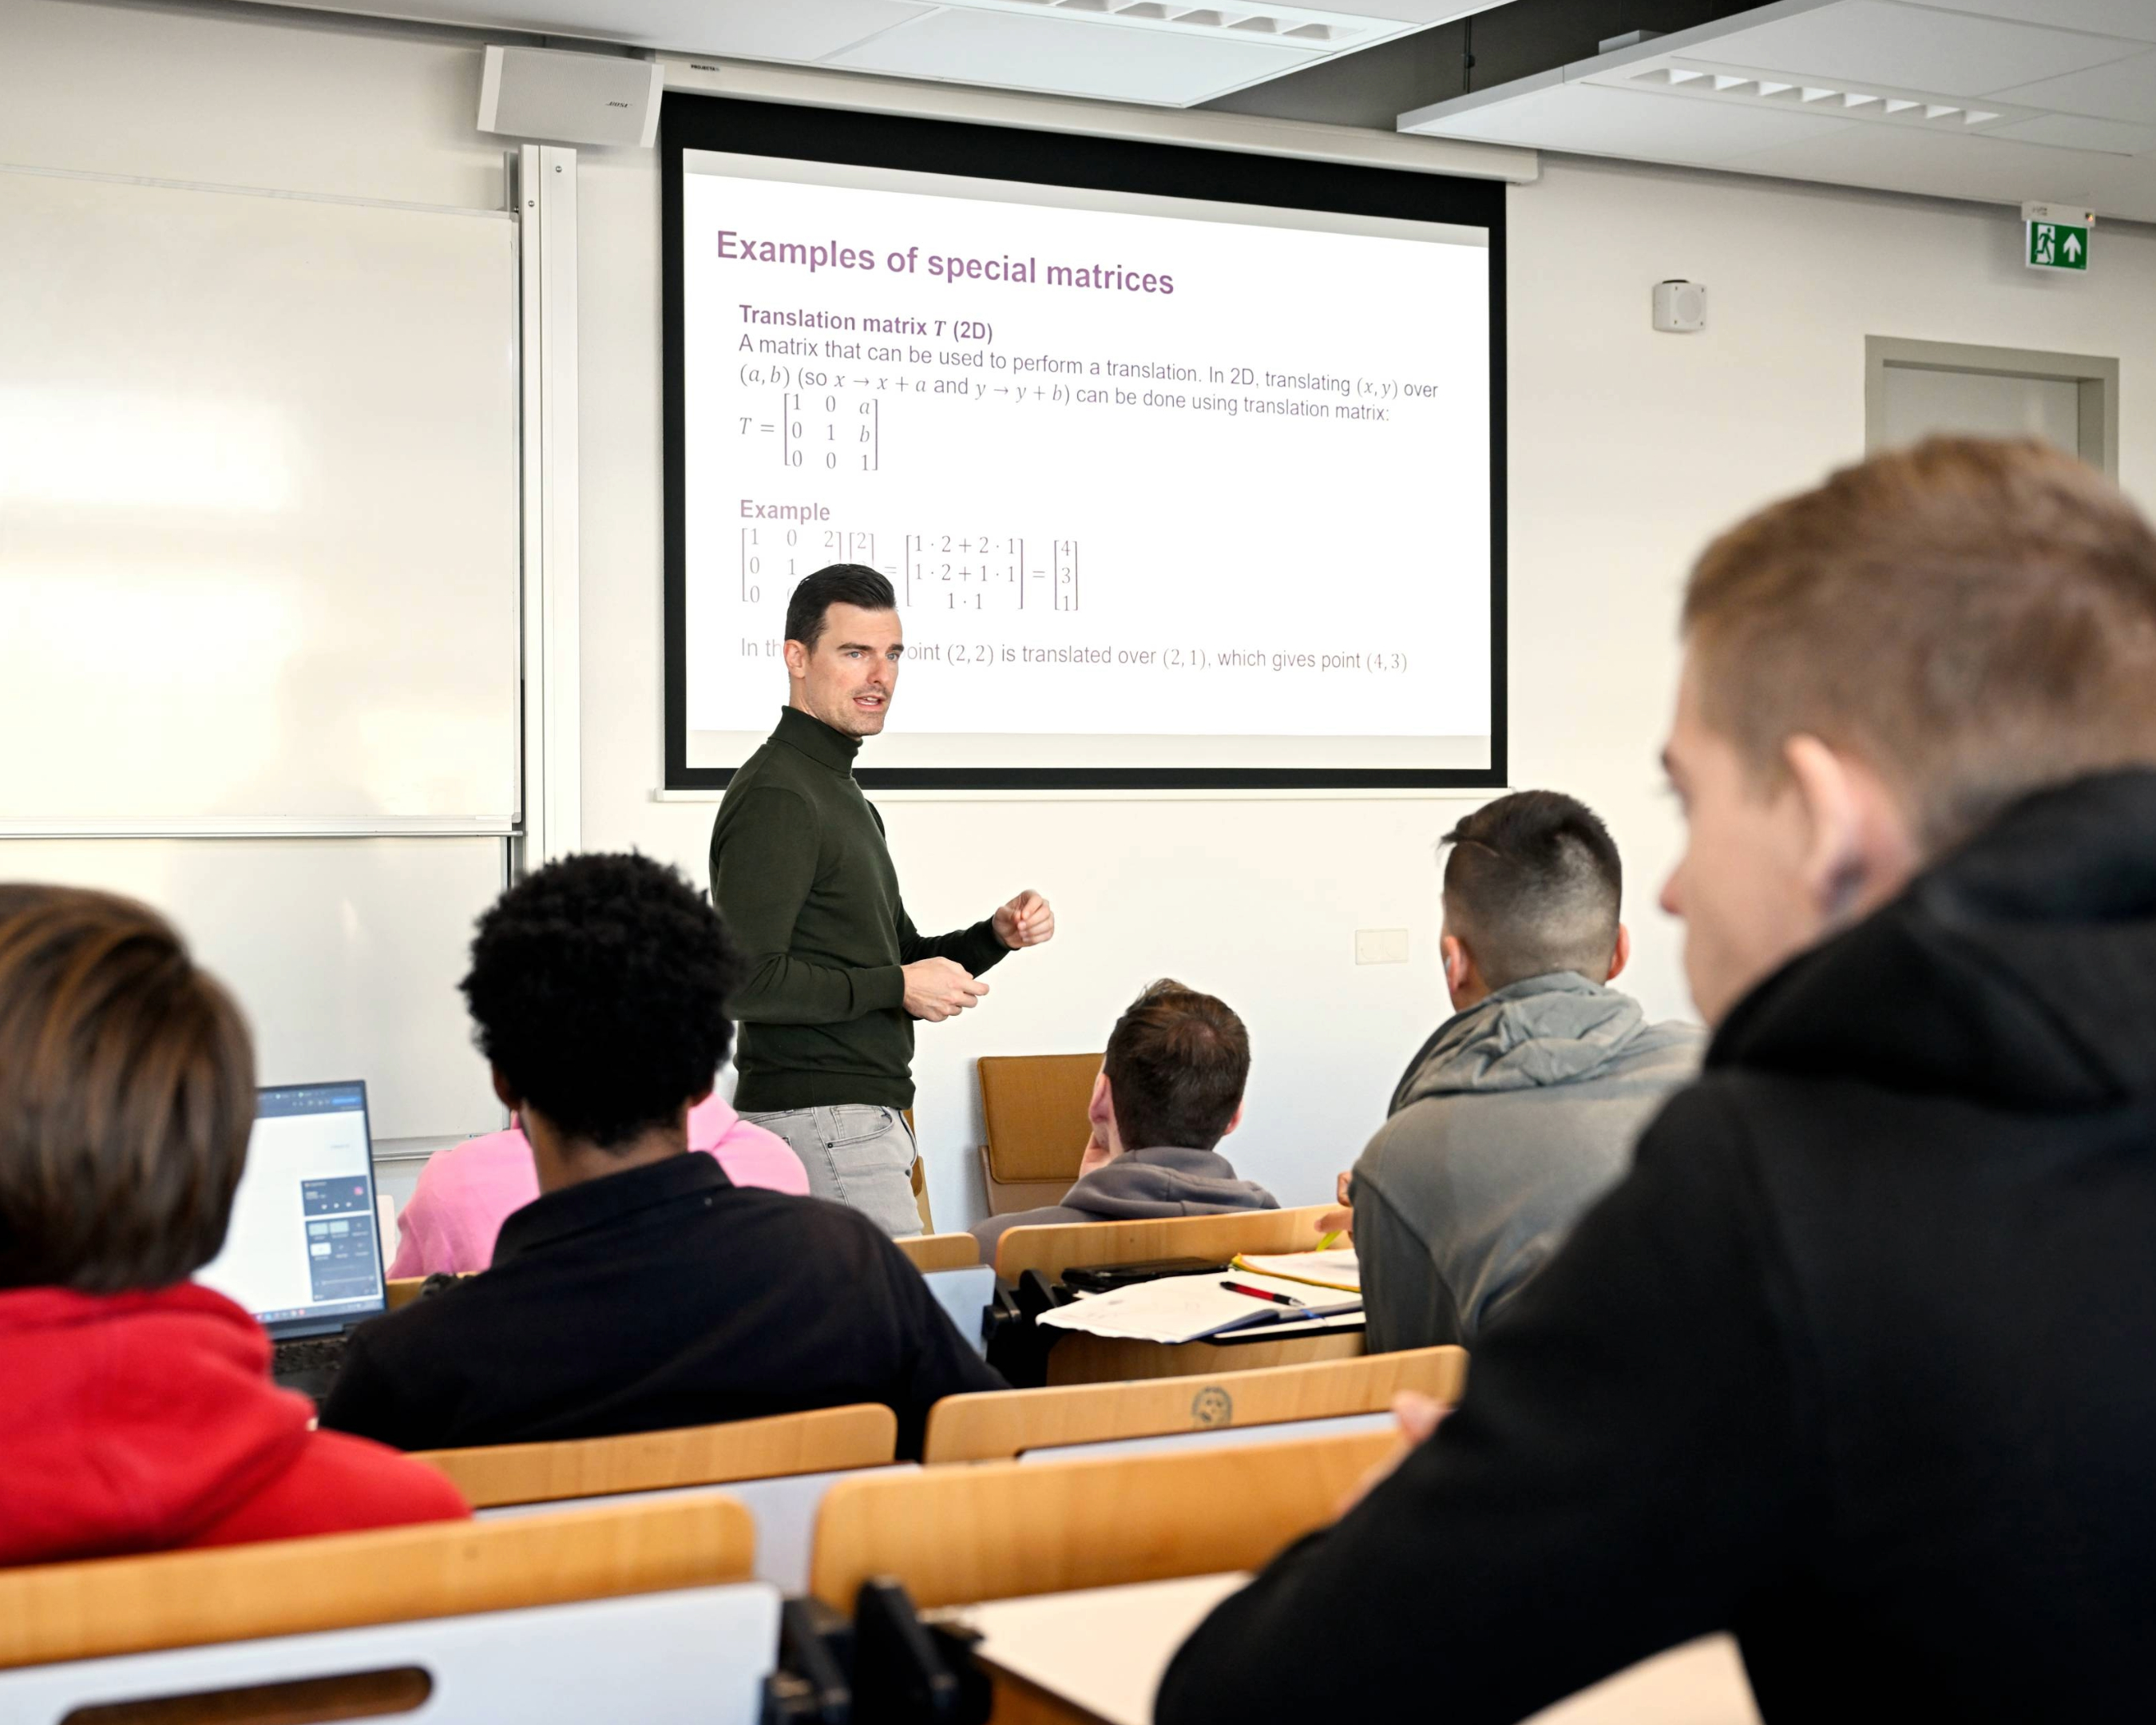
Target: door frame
x: 2095, y: 377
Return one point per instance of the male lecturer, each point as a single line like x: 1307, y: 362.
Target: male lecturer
x: 801, y: 873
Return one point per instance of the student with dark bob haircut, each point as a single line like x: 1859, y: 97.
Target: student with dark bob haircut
x: 138, y: 1413
x: 642, y: 1288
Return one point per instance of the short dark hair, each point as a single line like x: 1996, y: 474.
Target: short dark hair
x: 1177, y: 1063
x: 126, y: 1095
x: 1533, y: 885
x: 834, y: 584
x: 598, y: 989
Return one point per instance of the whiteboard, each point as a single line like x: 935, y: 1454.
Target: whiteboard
x: 344, y: 953
x: 259, y: 510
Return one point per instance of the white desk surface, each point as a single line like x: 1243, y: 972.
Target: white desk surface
x: 1700, y: 1683
x: 1054, y: 1642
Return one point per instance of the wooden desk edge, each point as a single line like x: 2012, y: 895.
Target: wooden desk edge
x: 1019, y: 1701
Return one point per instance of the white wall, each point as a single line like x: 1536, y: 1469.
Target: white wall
x: 1627, y: 450
x: 1630, y: 450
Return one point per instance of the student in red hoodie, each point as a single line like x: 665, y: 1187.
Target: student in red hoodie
x: 137, y: 1413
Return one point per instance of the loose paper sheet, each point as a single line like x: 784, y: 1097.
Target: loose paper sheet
x: 1187, y: 1308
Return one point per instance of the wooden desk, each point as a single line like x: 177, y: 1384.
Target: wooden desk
x: 1045, y: 1657
x: 1079, y: 1358
x: 1045, y: 1654
x: 1700, y: 1683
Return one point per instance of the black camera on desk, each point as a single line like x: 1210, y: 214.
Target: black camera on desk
x: 885, y: 1667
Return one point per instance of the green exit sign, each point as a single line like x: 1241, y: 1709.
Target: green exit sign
x: 2058, y: 238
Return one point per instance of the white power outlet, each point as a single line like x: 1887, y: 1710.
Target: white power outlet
x: 1381, y: 946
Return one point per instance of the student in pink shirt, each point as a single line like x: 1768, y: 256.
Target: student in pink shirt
x: 466, y: 1192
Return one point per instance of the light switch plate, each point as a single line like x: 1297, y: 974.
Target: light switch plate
x: 1381, y: 946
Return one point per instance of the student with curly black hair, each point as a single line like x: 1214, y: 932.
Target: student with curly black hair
x: 642, y: 1289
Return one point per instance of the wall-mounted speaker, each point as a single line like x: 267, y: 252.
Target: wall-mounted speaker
x: 571, y: 97
x: 1680, y: 307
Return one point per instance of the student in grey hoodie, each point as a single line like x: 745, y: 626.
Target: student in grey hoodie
x: 1170, y: 1088
x: 1523, y: 1108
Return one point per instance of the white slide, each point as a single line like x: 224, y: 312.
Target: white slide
x: 1159, y: 483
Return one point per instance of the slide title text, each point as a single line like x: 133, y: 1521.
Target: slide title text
x: 812, y: 255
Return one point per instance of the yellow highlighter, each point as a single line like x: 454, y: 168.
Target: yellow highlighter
x: 1326, y: 1244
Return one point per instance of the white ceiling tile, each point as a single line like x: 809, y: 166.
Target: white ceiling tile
x: 752, y: 29
x: 1988, y: 170
x: 1597, y: 121
x: 2076, y: 132
x: 1070, y: 57
x: 1409, y: 11
x: 2124, y: 89
x: 1850, y: 44
x: 2134, y: 18
x: 756, y: 30
x: 1915, y: 47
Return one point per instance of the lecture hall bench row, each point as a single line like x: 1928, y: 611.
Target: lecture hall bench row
x: 654, y: 1563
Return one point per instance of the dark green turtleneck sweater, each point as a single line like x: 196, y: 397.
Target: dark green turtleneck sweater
x: 801, y: 873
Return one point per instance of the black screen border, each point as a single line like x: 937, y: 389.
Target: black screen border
x: 857, y: 139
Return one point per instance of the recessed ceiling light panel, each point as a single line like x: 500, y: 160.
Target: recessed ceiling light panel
x: 1305, y: 27
x: 1872, y: 102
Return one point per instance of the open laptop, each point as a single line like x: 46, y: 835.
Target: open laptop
x: 303, y: 1252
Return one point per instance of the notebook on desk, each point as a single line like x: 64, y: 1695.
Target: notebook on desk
x: 1338, y: 1269
x: 303, y: 1251
x: 1197, y: 1308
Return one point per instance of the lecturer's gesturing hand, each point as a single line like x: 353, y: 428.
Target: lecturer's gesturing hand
x: 1026, y: 920
x: 937, y: 990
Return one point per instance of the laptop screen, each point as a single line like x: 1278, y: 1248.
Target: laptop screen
x: 303, y: 1253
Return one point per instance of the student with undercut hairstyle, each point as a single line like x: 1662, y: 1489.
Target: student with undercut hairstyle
x: 1523, y: 1107
x: 642, y: 1288
x: 1170, y: 1089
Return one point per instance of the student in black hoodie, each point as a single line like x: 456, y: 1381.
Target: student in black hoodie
x: 641, y: 1289
x: 1856, y: 1364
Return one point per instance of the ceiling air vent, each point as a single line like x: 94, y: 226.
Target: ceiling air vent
x: 1900, y: 107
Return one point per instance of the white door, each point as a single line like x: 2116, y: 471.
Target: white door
x: 1921, y: 401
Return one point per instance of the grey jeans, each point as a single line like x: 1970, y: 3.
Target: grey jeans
x: 859, y: 1154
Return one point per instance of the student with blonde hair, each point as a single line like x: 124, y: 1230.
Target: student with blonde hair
x: 1854, y: 1362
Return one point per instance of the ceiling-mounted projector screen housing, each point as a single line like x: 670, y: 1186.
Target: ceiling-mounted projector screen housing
x: 1186, y: 466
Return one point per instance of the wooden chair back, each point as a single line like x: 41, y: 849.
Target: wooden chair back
x: 403, y: 1290
x: 917, y: 1175
x: 957, y: 1535
x: 819, y: 1441
x: 994, y: 1426
x: 289, y: 1587
x: 1054, y: 1250
x: 940, y: 1251
x: 966, y: 1297
x: 1033, y: 1112
x: 695, y: 1656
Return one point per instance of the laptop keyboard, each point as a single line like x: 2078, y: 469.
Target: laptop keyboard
x: 315, y: 1353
